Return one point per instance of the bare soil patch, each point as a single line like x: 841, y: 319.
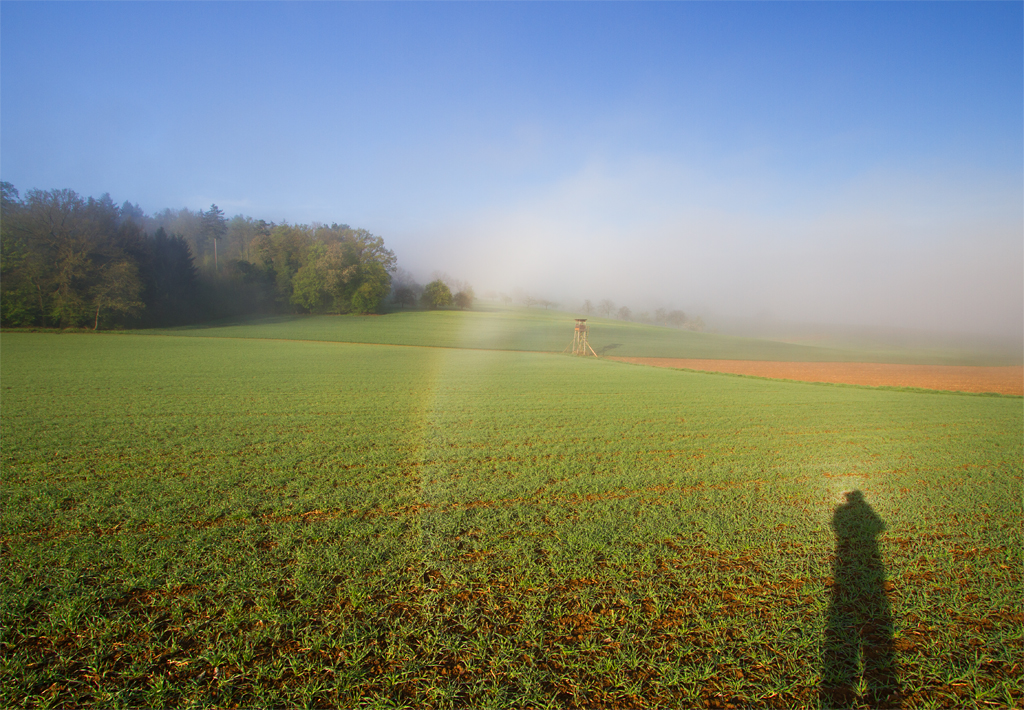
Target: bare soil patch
x: 953, y: 378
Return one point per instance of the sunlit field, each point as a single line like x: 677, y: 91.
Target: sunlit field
x: 243, y: 521
x: 494, y: 327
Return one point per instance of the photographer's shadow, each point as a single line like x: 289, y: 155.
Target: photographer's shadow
x: 857, y: 664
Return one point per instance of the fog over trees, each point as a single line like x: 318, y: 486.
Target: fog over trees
x: 75, y: 262
x: 672, y: 318
x: 70, y: 261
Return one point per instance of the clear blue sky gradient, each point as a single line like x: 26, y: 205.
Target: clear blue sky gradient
x: 855, y: 162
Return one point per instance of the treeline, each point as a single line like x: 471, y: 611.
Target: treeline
x: 71, y: 262
x: 667, y: 317
x: 443, y: 292
x: 661, y: 316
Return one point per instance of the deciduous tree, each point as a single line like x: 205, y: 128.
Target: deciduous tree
x: 436, y: 294
x: 373, y: 288
x: 405, y: 296
x: 118, y: 289
x: 676, y: 319
x: 309, y: 285
x: 464, y: 298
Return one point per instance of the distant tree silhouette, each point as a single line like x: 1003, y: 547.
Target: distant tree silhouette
x: 464, y: 298
x: 405, y: 296
x: 436, y: 295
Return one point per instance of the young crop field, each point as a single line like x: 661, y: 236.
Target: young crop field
x: 257, y: 521
x: 532, y: 329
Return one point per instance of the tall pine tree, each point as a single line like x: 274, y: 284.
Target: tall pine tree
x: 215, y: 226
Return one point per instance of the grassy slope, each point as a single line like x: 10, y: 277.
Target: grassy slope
x: 274, y: 523
x: 551, y: 331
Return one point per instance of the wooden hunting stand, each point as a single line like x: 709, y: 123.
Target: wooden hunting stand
x: 580, y: 346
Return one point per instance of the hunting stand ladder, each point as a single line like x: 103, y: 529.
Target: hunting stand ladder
x: 580, y: 346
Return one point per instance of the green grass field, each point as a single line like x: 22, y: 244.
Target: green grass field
x: 532, y: 329
x: 247, y: 520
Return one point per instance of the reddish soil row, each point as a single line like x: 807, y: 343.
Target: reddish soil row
x: 1001, y: 380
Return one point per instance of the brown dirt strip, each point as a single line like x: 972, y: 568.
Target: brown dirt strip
x: 953, y: 378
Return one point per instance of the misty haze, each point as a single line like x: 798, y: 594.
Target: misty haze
x: 562, y: 355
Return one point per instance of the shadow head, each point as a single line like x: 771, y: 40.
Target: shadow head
x: 854, y: 497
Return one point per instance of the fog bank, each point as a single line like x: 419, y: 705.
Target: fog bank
x: 926, y: 252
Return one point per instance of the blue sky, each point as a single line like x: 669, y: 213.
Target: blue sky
x: 851, y: 163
